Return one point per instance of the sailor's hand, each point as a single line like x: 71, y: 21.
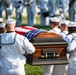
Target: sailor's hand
x: 48, y: 31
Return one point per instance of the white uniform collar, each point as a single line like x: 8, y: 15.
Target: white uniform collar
x: 10, y: 43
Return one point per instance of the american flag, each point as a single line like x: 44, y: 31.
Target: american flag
x: 28, y: 31
x: 24, y: 29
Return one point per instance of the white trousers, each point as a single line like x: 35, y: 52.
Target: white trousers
x: 17, y: 71
x: 48, y: 69
x: 71, y: 71
x: 55, y: 69
x: 59, y: 69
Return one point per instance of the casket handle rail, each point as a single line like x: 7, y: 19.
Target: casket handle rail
x: 47, y: 53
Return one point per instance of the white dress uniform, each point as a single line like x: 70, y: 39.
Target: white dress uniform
x: 43, y: 5
x: 8, y: 8
x: 63, y: 34
x: 49, y: 69
x: 72, y: 12
x: 19, y: 7
x: 55, y: 29
x: 31, y: 12
x: 61, y: 69
x: 63, y: 8
x: 70, y: 38
x: 2, y: 25
x: 52, y: 7
x: 72, y: 60
x: 13, y: 60
x: 64, y: 28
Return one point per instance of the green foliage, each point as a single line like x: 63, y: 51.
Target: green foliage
x: 43, y: 27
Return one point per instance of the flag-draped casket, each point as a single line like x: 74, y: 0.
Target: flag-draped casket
x: 50, y: 49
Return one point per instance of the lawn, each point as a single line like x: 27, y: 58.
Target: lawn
x: 33, y: 70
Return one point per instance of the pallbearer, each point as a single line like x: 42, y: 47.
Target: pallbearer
x: 61, y: 69
x: 13, y: 47
x: 71, y: 48
x: 64, y: 28
x: 2, y: 30
x: 54, y: 25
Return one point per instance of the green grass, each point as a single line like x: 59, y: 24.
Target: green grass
x: 24, y: 20
x: 33, y: 70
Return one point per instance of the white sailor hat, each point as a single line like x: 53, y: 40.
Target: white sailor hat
x: 2, y: 25
x: 72, y: 24
x: 65, y: 22
x: 54, y: 19
x: 10, y: 21
x: 1, y: 19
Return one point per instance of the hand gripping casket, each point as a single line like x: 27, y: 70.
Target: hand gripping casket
x: 50, y: 49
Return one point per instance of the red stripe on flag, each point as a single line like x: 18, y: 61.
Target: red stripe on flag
x: 23, y: 29
x: 21, y: 33
x: 28, y: 27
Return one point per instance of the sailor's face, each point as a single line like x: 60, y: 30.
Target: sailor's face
x: 62, y: 27
x: 52, y: 24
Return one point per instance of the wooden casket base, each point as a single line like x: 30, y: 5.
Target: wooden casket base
x: 37, y: 62
x: 50, y: 50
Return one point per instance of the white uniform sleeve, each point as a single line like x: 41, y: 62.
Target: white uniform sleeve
x: 63, y: 34
x: 71, y: 46
x: 68, y: 39
x: 28, y: 46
